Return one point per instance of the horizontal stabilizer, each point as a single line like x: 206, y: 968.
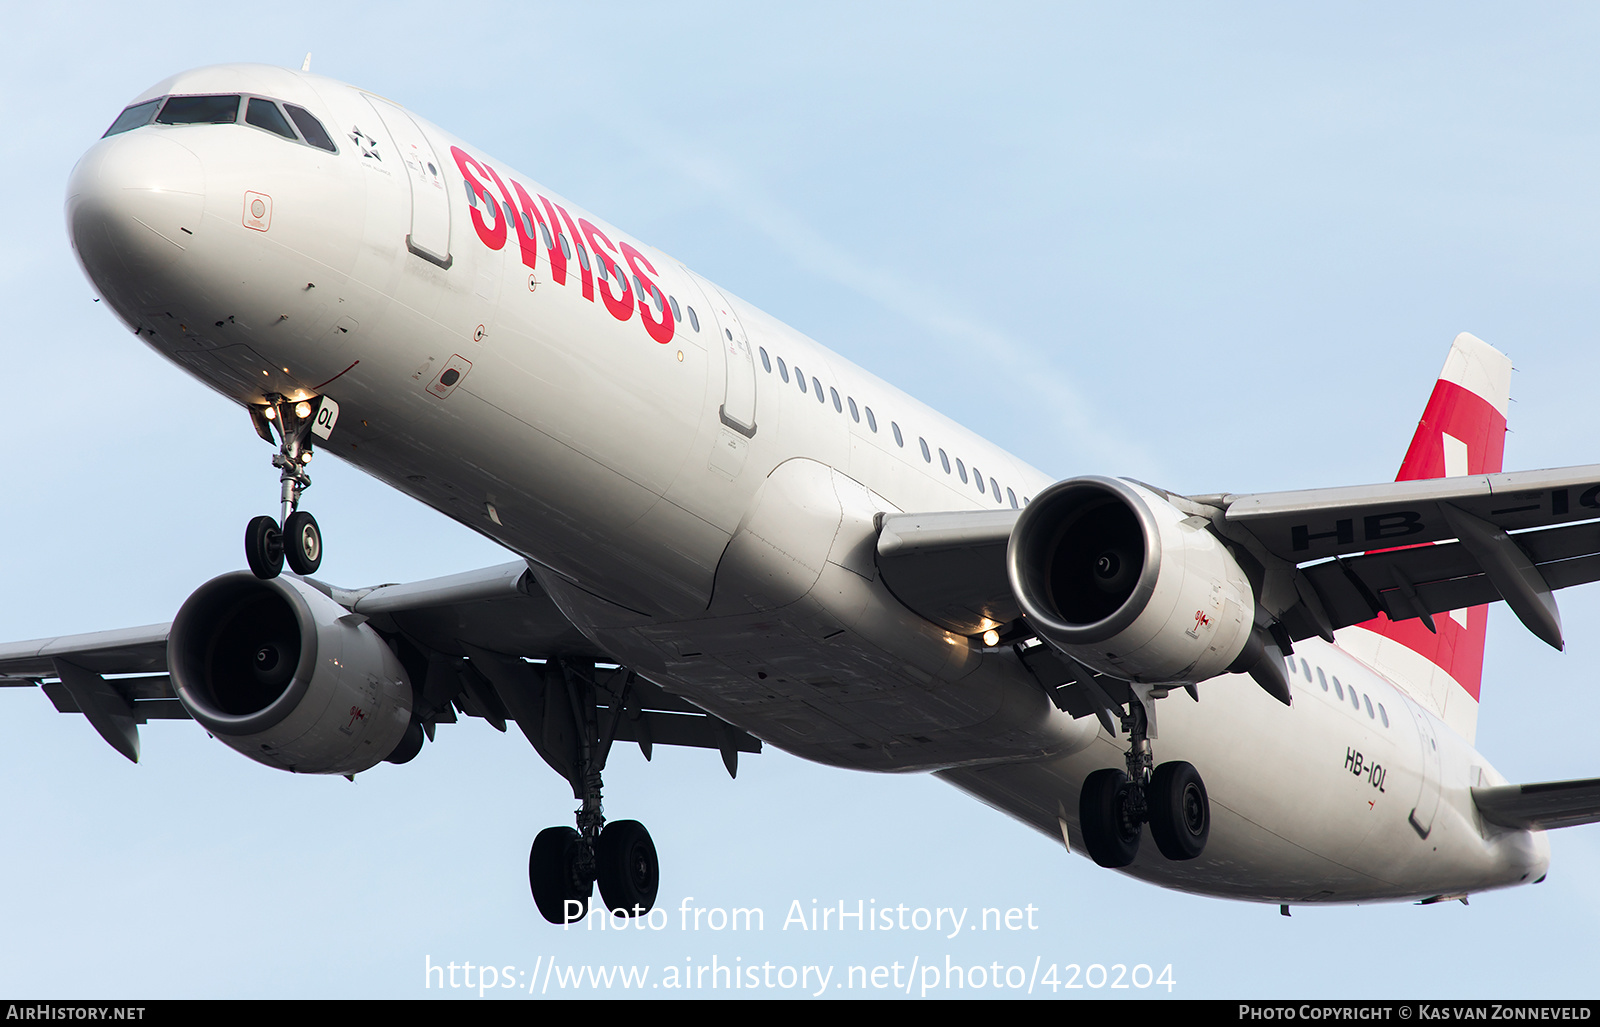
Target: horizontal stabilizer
x: 1541, y: 807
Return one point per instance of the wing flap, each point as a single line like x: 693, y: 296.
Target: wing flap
x: 1443, y: 577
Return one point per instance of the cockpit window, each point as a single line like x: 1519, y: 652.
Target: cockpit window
x: 200, y: 110
x: 311, y: 128
x: 135, y: 116
x: 265, y: 114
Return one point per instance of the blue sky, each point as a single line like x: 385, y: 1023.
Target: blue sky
x: 1218, y: 249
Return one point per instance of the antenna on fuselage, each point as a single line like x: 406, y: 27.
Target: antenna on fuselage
x: 305, y: 65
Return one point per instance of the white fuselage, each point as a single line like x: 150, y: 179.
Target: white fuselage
x: 690, y: 507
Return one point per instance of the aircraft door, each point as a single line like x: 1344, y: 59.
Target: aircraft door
x: 739, y: 394
x: 430, y: 203
x: 1428, y: 798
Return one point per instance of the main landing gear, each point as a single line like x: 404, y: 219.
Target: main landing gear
x: 1171, y: 798
x: 299, y: 540
x: 565, y: 864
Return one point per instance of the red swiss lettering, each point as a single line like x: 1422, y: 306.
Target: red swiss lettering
x: 577, y: 240
x: 661, y: 330
x: 478, y: 180
x: 621, y: 307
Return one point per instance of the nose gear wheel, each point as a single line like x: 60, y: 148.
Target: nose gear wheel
x: 299, y: 541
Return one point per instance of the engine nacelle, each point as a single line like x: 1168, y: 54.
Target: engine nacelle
x: 288, y: 677
x: 1122, y: 581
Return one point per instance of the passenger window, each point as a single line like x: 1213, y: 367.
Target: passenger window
x: 694, y: 322
x: 838, y: 406
x: 855, y: 414
x: 133, y: 117
x: 265, y: 114
x: 676, y: 316
x: 944, y: 461
x: 1305, y: 668
x: 311, y: 128
x: 200, y: 110
x: 899, y: 439
x: 961, y: 469
x: 583, y: 257
x: 818, y: 386
x: 1012, y: 497
x: 544, y: 230
x: 927, y: 457
x: 766, y: 361
x: 1368, y: 700
x: 527, y: 225
x: 800, y: 377
x: 601, y: 270
x: 995, y: 489
x: 783, y: 369
x: 872, y: 421
x: 566, y: 251
x: 977, y: 479
x: 1353, y: 700
x: 1322, y: 680
x: 1383, y: 714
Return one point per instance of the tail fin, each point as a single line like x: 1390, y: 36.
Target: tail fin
x: 1462, y: 431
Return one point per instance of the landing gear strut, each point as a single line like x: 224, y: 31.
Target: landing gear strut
x: 1171, y: 798
x: 299, y: 541
x: 565, y: 864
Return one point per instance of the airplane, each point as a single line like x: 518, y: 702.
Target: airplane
x: 728, y: 536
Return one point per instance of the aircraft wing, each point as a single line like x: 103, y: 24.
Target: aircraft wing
x: 1518, y: 536
x: 1540, y: 807
x: 462, y: 638
x: 1328, y: 557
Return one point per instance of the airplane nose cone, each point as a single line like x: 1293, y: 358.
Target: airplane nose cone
x: 133, y: 204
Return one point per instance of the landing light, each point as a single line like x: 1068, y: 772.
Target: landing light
x: 271, y: 413
x: 305, y: 457
x: 302, y: 410
x: 991, y: 638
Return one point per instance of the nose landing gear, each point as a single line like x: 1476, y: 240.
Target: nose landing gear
x: 1113, y: 806
x: 299, y: 541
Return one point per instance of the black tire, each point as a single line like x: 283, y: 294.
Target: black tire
x: 1180, y: 812
x: 302, y: 543
x: 554, y: 876
x: 263, y: 547
x: 626, y: 868
x: 1111, y: 836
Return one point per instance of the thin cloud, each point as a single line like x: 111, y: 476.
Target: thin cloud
x: 960, y: 334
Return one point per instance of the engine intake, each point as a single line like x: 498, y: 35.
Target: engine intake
x: 283, y: 674
x: 1121, y: 580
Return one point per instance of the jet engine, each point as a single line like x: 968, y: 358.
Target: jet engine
x: 1122, y: 581
x: 288, y: 677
